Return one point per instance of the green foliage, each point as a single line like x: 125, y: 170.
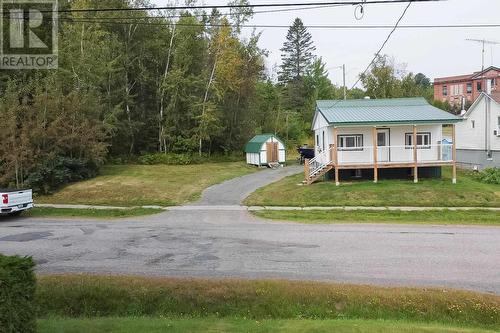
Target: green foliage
x: 384, y: 80
x: 17, y: 295
x: 186, y: 159
x: 91, y: 296
x: 297, y: 53
x: 52, y: 174
x: 489, y: 176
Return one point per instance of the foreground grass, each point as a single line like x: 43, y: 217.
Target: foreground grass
x: 142, y: 185
x: 141, y: 324
x: 468, y: 192
x: 90, y: 213
x: 100, y: 296
x: 475, y: 217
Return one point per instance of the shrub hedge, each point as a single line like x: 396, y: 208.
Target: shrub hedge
x: 489, y: 176
x: 17, y: 295
x: 186, y: 159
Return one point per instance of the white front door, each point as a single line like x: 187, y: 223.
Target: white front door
x: 383, y: 145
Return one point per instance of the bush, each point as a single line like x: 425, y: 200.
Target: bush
x: 489, y: 176
x: 186, y: 159
x: 17, y: 295
x: 60, y: 171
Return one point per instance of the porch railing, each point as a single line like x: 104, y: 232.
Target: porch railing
x: 396, y: 154
x: 315, y: 165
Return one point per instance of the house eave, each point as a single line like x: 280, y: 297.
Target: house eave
x: 383, y: 123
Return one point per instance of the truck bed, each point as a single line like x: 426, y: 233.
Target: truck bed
x: 14, y: 201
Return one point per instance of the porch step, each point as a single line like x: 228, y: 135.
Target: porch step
x: 311, y: 179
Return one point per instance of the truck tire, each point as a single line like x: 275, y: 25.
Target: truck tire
x: 15, y: 214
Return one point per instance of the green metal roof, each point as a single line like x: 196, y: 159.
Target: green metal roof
x: 255, y: 145
x: 383, y: 111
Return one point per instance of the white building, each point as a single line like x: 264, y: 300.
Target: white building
x: 265, y: 149
x: 478, y: 136
x: 393, y: 137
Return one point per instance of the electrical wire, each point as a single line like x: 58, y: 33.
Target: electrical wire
x: 332, y: 27
x: 303, y: 4
x: 378, y: 52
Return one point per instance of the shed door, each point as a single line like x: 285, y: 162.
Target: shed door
x: 272, y: 152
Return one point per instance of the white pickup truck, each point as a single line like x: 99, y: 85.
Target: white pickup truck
x: 15, y: 201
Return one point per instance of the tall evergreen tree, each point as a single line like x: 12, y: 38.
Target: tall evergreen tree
x: 297, y: 53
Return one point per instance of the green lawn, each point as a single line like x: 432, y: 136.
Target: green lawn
x: 428, y: 192
x: 139, y: 185
x: 90, y: 213
x: 444, y: 217
x: 152, y: 325
x: 82, y: 296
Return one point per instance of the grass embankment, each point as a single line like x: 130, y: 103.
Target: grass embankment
x: 277, y: 302
x: 90, y: 213
x: 142, y: 185
x: 443, y: 217
x: 152, y: 325
x: 468, y: 192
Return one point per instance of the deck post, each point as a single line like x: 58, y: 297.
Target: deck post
x: 415, y: 155
x: 306, y: 170
x: 454, y: 150
x: 375, y: 154
x: 336, y: 155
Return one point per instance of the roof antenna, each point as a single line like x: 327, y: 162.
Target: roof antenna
x: 463, y: 106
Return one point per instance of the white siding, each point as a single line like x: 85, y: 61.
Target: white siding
x: 473, y: 138
x: 263, y: 152
x: 398, y: 151
x: 253, y: 158
x: 495, y: 114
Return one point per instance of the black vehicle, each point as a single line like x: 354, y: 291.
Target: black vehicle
x: 305, y: 152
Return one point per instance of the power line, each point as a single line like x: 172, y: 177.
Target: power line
x: 333, y: 27
x: 303, y: 4
x: 379, y: 50
x: 383, y: 45
x: 224, y: 14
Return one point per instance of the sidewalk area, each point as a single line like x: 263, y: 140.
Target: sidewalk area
x: 278, y: 208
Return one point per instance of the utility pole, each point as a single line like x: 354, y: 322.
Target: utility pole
x: 483, y: 42
x: 345, y: 88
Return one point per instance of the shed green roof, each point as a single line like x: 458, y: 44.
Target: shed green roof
x: 383, y: 111
x: 255, y: 144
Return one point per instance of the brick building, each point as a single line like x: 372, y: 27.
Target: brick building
x: 470, y: 86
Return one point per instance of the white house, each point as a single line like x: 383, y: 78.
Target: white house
x: 478, y: 136
x: 265, y: 149
x: 398, y: 136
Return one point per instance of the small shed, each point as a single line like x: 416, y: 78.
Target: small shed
x: 265, y: 149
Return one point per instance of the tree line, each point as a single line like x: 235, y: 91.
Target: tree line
x: 140, y: 82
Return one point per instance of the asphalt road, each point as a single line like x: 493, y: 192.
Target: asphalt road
x: 232, y: 243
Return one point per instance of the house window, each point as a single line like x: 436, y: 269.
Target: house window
x: 445, y: 90
x: 317, y: 141
x: 323, y: 140
x: 478, y: 86
x: 473, y: 124
x: 423, y: 140
x: 499, y: 123
x: 493, y: 82
x: 469, y: 87
x: 350, y: 142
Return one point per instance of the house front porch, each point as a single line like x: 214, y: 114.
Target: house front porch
x: 422, y: 148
